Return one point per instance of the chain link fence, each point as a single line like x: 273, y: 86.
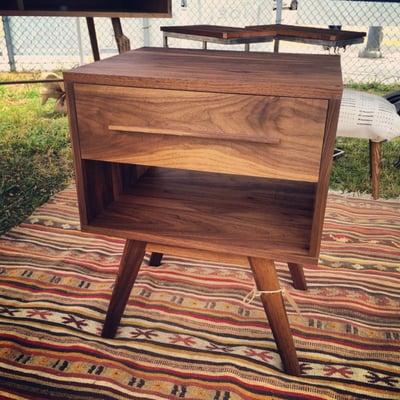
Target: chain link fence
x: 378, y: 58
x: 48, y: 43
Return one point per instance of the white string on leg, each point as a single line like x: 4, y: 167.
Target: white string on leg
x: 249, y: 298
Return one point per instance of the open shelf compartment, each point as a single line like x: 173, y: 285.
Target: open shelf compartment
x: 207, y: 211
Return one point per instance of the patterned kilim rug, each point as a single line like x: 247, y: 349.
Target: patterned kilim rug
x: 186, y: 333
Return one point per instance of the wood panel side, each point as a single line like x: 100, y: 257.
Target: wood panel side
x: 98, y: 183
x: 324, y: 176
x: 79, y: 172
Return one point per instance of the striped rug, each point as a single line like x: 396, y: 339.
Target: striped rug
x: 186, y: 333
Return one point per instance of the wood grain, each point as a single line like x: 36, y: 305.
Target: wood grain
x: 283, y: 74
x: 214, y: 212
x: 216, y: 31
x: 202, y: 131
x: 375, y: 166
x: 131, y: 261
x: 305, y: 32
x: 298, y: 278
x: 324, y: 175
x: 138, y: 9
x: 274, y: 31
x: 263, y: 119
x: 269, y: 120
x: 266, y: 279
x: 99, y: 14
x: 267, y: 139
x: 79, y: 173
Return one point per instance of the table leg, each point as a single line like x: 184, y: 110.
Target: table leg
x: 375, y: 165
x: 165, y: 37
x: 276, y: 46
x: 297, y: 272
x: 155, y: 259
x: 93, y: 38
x: 123, y: 43
x: 266, y: 279
x: 131, y: 260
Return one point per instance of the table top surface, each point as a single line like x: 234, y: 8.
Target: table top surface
x: 304, y: 32
x: 215, y: 31
x: 282, y: 74
x: 274, y: 30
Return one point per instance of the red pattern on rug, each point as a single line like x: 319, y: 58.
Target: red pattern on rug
x: 186, y: 333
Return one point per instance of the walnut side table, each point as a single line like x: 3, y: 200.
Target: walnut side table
x: 212, y: 155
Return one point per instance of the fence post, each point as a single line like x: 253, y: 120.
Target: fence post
x: 9, y: 43
x: 278, y: 20
x: 146, y: 32
x: 374, y: 40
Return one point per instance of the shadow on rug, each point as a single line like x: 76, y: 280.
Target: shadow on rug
x: 186, y: 333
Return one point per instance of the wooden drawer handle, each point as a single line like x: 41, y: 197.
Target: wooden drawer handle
x: 202, y: 135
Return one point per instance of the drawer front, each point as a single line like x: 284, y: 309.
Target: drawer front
x: 238, y: 134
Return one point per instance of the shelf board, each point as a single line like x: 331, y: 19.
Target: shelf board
x: 215, y: 212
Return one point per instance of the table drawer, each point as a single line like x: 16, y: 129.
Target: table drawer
x: 215, y: 132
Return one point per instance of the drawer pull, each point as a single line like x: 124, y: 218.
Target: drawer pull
x: 201, y: 135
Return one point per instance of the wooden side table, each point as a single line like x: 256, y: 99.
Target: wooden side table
x: 212, y: 155
x: 227, y: 35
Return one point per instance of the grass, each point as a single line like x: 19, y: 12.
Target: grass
x: 35, y: 157
x: 36, y: 160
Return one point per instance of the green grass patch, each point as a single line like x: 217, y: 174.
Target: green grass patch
x: 36, y: 160
x: 350, y: 173
x: 374, y: 87
x: 35, y: 155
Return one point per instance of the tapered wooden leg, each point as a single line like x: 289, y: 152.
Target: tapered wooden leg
x: 298, y: 278
x: 131, y: 260
x: 155, y: 259
x: 375, y: 165
x: 266, y: 279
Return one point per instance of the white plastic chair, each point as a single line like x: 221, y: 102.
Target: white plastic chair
x: 368, y: 116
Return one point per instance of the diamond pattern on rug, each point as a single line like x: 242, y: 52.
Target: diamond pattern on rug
x: 186, y: 333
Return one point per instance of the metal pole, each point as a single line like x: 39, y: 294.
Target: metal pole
x: 9, y: 43
x: 278, y: 20
x: 373, y: 46
x: 80, y: 46
x: 146, y: 32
